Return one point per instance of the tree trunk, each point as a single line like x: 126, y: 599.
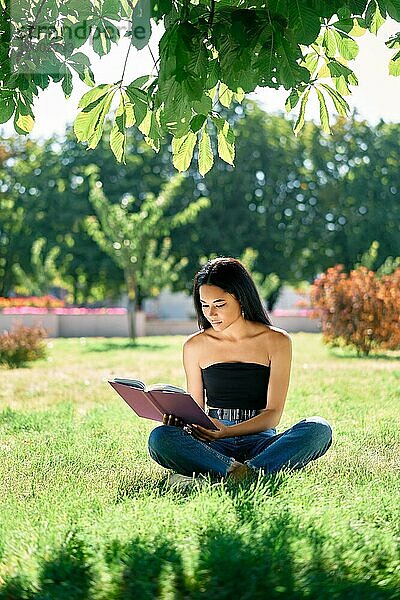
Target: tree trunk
x: 130, y: 281
x: 272, y: 298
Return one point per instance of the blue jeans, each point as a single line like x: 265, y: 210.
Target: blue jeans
x: 173, y: 448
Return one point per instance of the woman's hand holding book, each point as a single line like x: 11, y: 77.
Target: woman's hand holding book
x: 198, y: 432
x: 208, y: 435
x: 172, y: 420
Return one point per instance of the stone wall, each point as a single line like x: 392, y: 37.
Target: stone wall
x: 116, y: 325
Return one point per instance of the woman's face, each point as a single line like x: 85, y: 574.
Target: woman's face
x: 220, y: 308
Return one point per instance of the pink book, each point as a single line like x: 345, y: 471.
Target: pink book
x: 159, y: 399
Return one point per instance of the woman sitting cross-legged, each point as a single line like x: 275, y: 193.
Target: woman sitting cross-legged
x: 243, y: 364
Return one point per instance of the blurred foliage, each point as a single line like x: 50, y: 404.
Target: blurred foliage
x: 21, y: 345
x: 358, y: 310
x: 300, y: 205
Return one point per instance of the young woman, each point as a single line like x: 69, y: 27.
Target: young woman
x: 242, y: 363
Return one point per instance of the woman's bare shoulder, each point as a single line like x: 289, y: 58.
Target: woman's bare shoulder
x: 277, y: 337
x: 193, y: 341
x: 192, y: 348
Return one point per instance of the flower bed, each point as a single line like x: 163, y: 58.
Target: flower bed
x: 291, y: 312
x: 31, y: 301
x: 32, y: 310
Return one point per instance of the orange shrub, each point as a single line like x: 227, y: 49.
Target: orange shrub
x: 22, y: 345
x: 358, y: 310
x: 36, y: 301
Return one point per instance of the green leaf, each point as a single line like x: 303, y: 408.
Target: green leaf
x: 126, y: 8
x: 81, y: 64
x: 329, y: 42
x: 138, y: 99
x: 129, y: 113
x: 394, y: 65
x: 88, y: 125
x: 182, y: 151
x: 145, y: 124
x: 110, y: 8
x: 341, y: 86
x: 336, y: 69
x: 344, y: 25
x: 304, y: 22
x: 203, y: 106
x: 393, y: 41
x: 84, y: 71
x: 355, y: 27
x: 118, y: 133
x: 153, y: 138
x: 311, y: 61
x: 239, y: 95
x: 226, y: 140
x: 352, y: 79
x: 225, y: 95
x: 23, y: 106
x: 348, y: 48
x: 292, y: 100
x: 206, y: 158
x: 94, y: 94
x: 289, y: 73
x: 7, y: 106
x: 76, y: 34
x: 323, y: 112
x: 103, y: 35
x: 23, y: 124
x: 393, y: 9
x: 323, y: 72
x: 226, y: 149
x: 340, y: 103
x: 140, y: 82
x: 300, y: 119
x: 67, y: 83
x: 197, y: 122
x: 373, y: 18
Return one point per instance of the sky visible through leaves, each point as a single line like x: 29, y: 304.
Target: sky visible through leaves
x: 374, y: 98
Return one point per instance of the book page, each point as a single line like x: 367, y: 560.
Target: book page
x: 167, y: 387
x: 135, y: 383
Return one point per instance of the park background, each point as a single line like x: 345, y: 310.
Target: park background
x: 335, y: 204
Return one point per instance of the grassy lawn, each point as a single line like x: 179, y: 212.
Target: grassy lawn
x: 83, y: 512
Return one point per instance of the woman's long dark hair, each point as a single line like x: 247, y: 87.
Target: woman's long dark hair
x: 230, y: 275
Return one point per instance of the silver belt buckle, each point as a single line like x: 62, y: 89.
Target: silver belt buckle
x: 235, y: 414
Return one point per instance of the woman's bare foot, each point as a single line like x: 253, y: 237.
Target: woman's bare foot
x: 234, y: 466
x: 239, y: 471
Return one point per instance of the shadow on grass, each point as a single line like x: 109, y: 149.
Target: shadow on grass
x: 351, y: 354
x: 248, y: 564
x: 66, y: 576
x: 108, y: 346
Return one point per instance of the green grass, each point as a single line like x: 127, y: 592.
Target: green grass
x: 84, y: 514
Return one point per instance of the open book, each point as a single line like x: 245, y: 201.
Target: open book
x: 159, y: 399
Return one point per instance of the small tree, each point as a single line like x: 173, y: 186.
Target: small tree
x: 268, y: 285
x: 369, y: 258
x: 358, y: 310
x: 44, y: 271
x: 139, y: 241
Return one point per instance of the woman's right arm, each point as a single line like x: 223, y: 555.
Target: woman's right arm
x: 194, y: 381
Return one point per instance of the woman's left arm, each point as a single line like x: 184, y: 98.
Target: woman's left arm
x: 281, y: 359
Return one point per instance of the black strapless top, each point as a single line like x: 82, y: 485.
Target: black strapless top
x: 236, y: 385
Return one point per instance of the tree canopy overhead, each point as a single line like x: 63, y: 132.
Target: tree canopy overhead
x: 211, y: 53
